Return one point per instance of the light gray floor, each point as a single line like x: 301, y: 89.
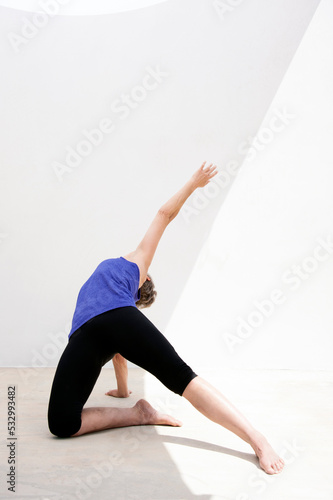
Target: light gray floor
x: 199, y: 460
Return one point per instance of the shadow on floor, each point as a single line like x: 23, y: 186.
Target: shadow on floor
x: 130, y: 463
x: 203, y: 445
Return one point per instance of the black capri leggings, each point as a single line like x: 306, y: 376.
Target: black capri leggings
x: 126, y: 331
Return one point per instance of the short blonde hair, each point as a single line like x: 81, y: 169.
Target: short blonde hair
x: 147, y: 294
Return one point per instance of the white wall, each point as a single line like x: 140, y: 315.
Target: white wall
x: 268, y: 261
x: 81, y: 7
x: 61, y: 79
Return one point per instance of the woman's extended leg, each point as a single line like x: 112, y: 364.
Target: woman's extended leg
x: 143, y: 344
x: 211, y: 403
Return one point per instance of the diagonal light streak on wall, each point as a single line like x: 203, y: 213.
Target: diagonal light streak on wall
x: 260, y: 293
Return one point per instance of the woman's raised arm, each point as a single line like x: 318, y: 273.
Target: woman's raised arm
x: 200, y: 178
x: 146, y: 249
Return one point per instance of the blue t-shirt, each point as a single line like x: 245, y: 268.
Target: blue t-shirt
x: 114, y: 283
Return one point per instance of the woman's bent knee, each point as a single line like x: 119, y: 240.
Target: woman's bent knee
x: 179, y: 381
x: 62, y: 426
x: 185, y: 386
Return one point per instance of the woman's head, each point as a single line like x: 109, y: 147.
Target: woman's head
x: 147, y: 293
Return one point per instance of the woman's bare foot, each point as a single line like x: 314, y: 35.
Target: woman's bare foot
x: 269, y: 460
x: 150, y: 416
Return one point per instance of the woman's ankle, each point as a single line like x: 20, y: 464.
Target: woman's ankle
x: 257, y: 441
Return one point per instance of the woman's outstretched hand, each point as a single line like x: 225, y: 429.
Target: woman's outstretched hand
x: 203, y: 175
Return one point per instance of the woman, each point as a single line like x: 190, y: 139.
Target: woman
x: 108, y: 324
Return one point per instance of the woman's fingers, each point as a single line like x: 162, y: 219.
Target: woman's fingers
x: 115, y: 393
x: 210, y: 167
x: 204, y: 174
x: 211, y: 170
x: 207, y: 168
x: 111, y: 392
